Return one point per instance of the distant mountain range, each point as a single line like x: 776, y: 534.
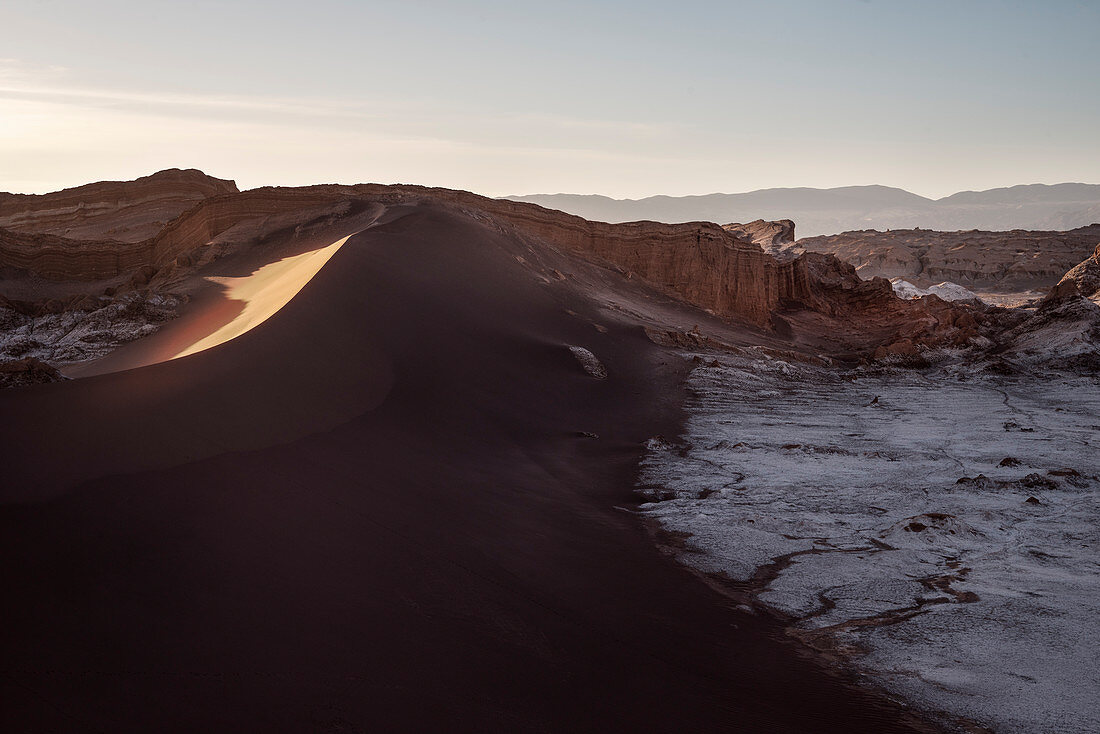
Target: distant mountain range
x: 830, y: 211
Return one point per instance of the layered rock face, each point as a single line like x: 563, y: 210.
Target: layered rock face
x: 773, y: 237
x: 998, y: 261
x: 717, y: 269
x: 699, y: 262
x: 126, y: 211
x: 709, y: 267
x: 60, y: 258
x: 702, y: 263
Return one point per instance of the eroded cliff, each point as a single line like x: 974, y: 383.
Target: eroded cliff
x: 998, y: 261
x: 718, y: 269
x: 126, y: 211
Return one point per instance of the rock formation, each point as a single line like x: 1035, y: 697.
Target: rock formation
x: 1082, y: 279
x: 26, y: 371
x: 997, y: 261
x: 773, y: 237
x: 813, y: 298
x: 946, y: 290
x: 81, y: 328
x: 60, y: 258
x: 126, y: 211
x: 1062, y: 332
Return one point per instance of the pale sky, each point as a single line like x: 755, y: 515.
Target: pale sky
x: 626, y: 99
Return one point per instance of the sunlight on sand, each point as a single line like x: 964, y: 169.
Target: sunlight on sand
x: 264, y: 292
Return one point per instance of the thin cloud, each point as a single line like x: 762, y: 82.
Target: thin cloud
x: 416, y: 120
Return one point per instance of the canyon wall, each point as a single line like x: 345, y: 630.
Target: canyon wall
x: 126, y: 211
x: 60, y: 258
x: 995, y: 261
x: 717, y: 269
x: 771, y: 236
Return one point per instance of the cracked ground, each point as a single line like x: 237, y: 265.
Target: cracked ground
x: 940, y: 527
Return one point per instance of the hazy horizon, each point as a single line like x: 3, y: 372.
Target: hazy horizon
x: 517, y: 195
x: 797, y: 187
x: 624, y: 100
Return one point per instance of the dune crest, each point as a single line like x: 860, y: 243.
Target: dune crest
x: 264, y: 292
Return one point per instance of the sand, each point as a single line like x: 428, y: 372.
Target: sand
x: 263, y: 293
x: 382, y: 508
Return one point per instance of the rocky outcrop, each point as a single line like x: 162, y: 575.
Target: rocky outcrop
x: 699, y: 262
x: 1062, y: 334
x: 124, y: 211
x: 26, y: 371
x: 1082, y: 279
x: 243, y: 217
x: 78, y: 329
x: 248, y: 217
x: 60, y: 258
x: 1064, y: 331
x: 711, y: 267
x: 996, y: 261
x: 772, y: 237
x: 946, y: 291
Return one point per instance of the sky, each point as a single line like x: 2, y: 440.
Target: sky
x: 626, y: 99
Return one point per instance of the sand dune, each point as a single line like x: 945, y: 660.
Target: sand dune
x: 235, y: 305
x: 380, y: 508
x: 265, y: 292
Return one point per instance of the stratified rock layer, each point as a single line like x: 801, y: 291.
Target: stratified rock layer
x: 1000, y: 261
x: 701, y: 263
x: 126, y: 211
x: 60, y: 258
x: 771, y: 236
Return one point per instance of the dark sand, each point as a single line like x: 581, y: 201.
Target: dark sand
x: 373, y: 513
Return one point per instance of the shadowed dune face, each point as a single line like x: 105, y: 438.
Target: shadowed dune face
x: 378, y: 510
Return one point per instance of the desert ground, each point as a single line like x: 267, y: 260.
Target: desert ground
x: 370, y: 457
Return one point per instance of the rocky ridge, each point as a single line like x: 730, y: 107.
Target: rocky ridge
x: 125, y: 211
x: 1063, y: 332
x: 999, y: 261
x: 813, y: 298
x: 53, y: 257
x: 700, y: 262
x: 773, y: 237
x: 1082, y: 279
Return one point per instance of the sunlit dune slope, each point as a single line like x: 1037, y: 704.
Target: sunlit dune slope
x: 264, y: 292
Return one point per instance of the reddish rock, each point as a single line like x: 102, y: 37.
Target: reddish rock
x: 125, y: 211
x: 143, y: 275
x: 814, y: 298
